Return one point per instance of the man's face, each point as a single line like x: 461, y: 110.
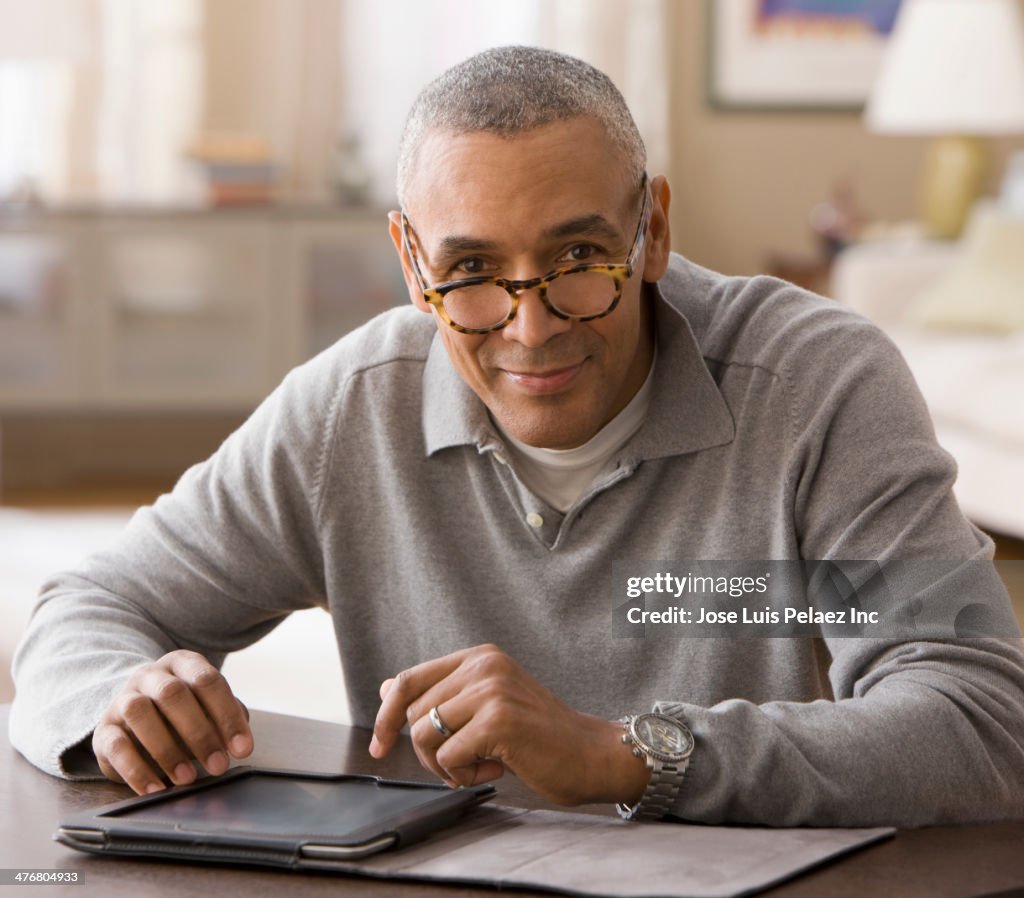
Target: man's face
x: 551, y: 197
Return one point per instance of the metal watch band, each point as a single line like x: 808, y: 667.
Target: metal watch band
x: 660, y: 795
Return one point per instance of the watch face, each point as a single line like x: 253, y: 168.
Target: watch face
x: 666, y: 738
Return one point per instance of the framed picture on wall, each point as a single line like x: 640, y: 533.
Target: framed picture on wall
x: 795, y: 54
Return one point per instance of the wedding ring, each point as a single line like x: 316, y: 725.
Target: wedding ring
x: 437, y: 723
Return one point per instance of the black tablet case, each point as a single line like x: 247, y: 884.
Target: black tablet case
x: 113, y: 830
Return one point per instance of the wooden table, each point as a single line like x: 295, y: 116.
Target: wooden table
x: 931, y: 863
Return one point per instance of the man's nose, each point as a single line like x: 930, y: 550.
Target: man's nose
x: 534, y: 323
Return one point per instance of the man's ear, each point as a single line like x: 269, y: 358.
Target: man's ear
x: 412, y: 285
x: 658, y: 245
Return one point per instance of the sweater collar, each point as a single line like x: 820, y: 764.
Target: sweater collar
x: 687, y: 411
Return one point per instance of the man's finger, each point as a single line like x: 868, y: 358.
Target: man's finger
x: 120, y: 760
x: 149, y: 729
x: 428, y: 760
x: 404, y: 690
x: 426, y: 739
x: 179, y: 705
x: 229, y: 717
x: 466, y: 757
x: 486, y: 770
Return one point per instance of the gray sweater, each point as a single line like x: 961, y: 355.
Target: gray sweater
x: 372, y: 483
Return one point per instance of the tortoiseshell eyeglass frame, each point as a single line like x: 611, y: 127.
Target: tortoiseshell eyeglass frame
x: 619, y: 273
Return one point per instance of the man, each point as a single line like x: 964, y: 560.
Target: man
x: 461, y: 475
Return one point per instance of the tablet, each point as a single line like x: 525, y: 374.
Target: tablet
x: 278, y: 818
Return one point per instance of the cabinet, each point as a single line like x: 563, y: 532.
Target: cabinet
x: 342, y: 277
x: 41, y: 314
x: 180, y: 310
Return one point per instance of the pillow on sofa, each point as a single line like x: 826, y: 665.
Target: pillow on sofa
x: 985, y: 289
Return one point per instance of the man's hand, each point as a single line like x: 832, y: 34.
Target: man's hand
x: 503, y: 719
x: 170, y: 712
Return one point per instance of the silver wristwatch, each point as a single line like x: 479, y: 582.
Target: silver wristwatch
x: 666, y: 745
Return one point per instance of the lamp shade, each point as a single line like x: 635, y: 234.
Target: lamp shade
x: 952, y: 67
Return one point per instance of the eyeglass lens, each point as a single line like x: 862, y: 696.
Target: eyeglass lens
x: 578, y: 293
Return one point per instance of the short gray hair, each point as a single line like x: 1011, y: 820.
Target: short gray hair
x: 508, y: 90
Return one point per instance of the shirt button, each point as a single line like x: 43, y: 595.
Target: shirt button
x: 534, y: 519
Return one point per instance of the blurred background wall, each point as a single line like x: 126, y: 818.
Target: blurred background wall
x: 193, y: 199
x: 747, y: 181
x: 137, y: 80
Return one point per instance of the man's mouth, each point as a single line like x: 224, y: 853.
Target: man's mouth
x: 550, y: 380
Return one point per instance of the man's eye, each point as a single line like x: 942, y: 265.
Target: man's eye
x: 472, y: 266
x: 581, y: 252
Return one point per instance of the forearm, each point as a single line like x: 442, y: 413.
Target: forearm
x: 79, y: 648
x: 934, y: 735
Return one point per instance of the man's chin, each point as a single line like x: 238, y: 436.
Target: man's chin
x: 549, y: 428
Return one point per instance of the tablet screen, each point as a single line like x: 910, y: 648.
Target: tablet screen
x: 259, y: 804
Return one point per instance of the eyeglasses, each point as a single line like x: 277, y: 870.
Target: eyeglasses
x: 479, y: 305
